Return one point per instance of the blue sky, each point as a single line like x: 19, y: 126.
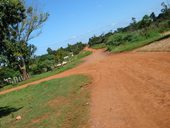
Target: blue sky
x: 77, y: 20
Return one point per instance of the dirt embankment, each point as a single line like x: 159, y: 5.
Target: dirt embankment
x: 159, y: 46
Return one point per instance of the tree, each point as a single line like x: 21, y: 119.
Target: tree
x: 165, y: 7
x: 96, y: 40
x: 145, y: 22
x: 16, y: 46
x: 76, y: 48
x: 50, y: 51
x: 25, y: 32
x: 153, y: 16
x: 3, y: 61
x: 60, y: 54
x: 165, y: 15
x: 134, y: 20
x: 11, y: 12
x: 133, y: 24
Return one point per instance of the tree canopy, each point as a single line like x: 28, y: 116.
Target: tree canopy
x: 17, y: 24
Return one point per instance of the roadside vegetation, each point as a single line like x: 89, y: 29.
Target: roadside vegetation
x: 75, y: 61
x: 99, y: 46
x: 137, y: 34
x: 53, y: 104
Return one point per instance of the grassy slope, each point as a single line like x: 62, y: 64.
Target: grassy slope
x: 131, y: 45
x: 99, y: 46
x: 76, y: 60
x: 134, y: 45
x: 53, y: 104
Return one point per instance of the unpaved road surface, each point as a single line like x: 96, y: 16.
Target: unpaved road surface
x: 128, y: 90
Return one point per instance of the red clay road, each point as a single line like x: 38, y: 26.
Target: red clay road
x: 128, y: 90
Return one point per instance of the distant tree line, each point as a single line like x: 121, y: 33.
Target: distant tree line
x: 49, y: 61
x: 147, y: 27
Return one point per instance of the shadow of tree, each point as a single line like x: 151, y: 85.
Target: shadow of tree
x: 5, y: 111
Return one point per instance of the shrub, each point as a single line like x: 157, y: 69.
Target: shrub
x: 113, y: 43
x: 168, y: 24
x: 42, y: 66
x: 7, y: 73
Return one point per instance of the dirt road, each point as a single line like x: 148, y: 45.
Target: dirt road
x: 129, y: 90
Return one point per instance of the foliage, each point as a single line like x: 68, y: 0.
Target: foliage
x: 75, y: 48
x: 99, y: 46
x: 134, y: 45
x: 38, y: 73
x: 11, y: 12
x: 18, y: 25
x: 48, y: 62
x: 7, y: 73
x: 60, y: 54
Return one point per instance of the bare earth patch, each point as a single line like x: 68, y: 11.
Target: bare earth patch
x: 57, y: 101
x: 40, y: 118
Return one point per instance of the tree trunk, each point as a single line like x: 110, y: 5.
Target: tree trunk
x: 24, y: 73
x: 23, y: 69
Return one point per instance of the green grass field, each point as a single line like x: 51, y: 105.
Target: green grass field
x: 76, y: 60
x: 58, y: 103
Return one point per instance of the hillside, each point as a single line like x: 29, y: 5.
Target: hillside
x: 158, y: 46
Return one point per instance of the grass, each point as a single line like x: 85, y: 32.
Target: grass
x: 131, y: 46
x: 99, y: 46
x: 58, y: 103
x: 76, y: 60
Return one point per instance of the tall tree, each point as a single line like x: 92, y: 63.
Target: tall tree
x: 17, y: 49
x: 60, y: 54
x: 145, y: 22
x: 165, y: 7
x: 24, y: 33
x: 11, y: 12
x: 50, y: 51
x: 153, y: 16
x: 133, y: 24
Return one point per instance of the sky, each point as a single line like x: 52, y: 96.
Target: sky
x: 71, y: 21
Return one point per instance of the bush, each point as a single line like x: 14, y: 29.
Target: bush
x: 121, y: 38
x: 168, y: 24
x: 42, y: 66
x: 113, y: 43
x: 7, y: 73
